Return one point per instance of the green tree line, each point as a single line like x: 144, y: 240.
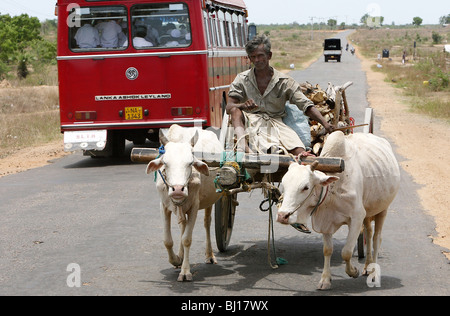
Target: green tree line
x: 22, y: 44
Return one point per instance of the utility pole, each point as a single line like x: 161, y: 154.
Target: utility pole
x: 312, y: 26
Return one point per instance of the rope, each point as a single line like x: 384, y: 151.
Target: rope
x: 271, y: 235
x: 161, y: 151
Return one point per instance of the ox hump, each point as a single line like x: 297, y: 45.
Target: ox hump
x: 335, y: 146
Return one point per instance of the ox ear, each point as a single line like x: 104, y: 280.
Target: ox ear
x: 323, y: 179
x: 201, y: 167
x: 154, y: 165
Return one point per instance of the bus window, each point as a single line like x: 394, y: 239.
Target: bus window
x: 230, y: 29
x: 98, y: 29
x: 216, y: 31
x: 160, y: 25
x: 223, y: 28
x: 240, y: 30
x: 207, y: 29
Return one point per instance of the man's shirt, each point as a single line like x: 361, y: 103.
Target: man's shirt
x: 282, y: 88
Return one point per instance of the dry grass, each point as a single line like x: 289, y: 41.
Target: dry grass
x: 424, y: 79
x: 29, y: 116
x: 372, y: 42
x: 294, y: 46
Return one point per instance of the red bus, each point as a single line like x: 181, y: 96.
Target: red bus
x: 130, y: 67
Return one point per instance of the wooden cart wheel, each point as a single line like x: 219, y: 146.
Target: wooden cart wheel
x: 361, y: 245
x: 225, y: 210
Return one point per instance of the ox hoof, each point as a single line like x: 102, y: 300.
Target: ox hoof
x: 176, y: 262
x: 353, y: 274
x: 324, y: 286
x: 185, y: 277
x: 211, y: 260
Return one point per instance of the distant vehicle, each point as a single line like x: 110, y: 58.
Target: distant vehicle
x: 332, y: 49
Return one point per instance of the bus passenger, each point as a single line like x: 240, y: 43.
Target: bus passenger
x: 152, y: 33
x: 139, y: 40
x: 169, y: 28
x: 175, y: 37
x: 87, y: 36
x: 110, y: 32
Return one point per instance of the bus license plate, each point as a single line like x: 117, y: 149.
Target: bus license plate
x: 133, y: 113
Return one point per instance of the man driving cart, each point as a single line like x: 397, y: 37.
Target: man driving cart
x: 257, y: 102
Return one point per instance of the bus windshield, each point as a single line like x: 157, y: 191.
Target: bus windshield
x: 106, y: 28
x: 160, y: 25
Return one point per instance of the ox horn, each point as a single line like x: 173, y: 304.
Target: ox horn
x: 194, y: 138
x: 162, y: 138
x: 314, y: 165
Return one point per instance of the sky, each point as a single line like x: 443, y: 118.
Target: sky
x: 288, y: 11
x: 349, y: 11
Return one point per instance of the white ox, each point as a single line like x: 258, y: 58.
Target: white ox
x: 361, y: 194
x: 185, y: 185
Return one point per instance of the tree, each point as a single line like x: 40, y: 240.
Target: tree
x: 16, y: 34
x: 21, y: 44
x: 332, y: 23
x: 444, y: 19
x: 364, y: 19
x: 417, y: 21
x: 22, y: 68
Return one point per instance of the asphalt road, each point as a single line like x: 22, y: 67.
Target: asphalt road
x: 103, y: 216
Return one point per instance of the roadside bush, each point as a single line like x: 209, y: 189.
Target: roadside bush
x: 439, y: 81
x: 437, y: 38
x: 44, y: 51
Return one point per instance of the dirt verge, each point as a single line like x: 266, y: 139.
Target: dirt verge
x: 29, y: 158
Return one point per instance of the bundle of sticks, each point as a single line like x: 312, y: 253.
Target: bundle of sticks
x: 332, y: 104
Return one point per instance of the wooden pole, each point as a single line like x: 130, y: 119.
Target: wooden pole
x: 249, y: 161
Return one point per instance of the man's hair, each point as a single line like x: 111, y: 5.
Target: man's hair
x: 254, y: 43
x: 141, y: 31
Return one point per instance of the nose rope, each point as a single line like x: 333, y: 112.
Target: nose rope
x: 319, y: 203
x: 304, y: 201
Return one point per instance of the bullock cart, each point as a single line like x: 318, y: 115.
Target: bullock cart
x: 239, y: 172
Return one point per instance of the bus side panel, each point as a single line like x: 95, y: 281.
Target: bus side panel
x: 212, y: 93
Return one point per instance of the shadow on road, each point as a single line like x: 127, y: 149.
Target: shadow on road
x: 97, y: 162
x: 245, y: 271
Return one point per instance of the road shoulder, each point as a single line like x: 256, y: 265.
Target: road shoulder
x: 29, y: 158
